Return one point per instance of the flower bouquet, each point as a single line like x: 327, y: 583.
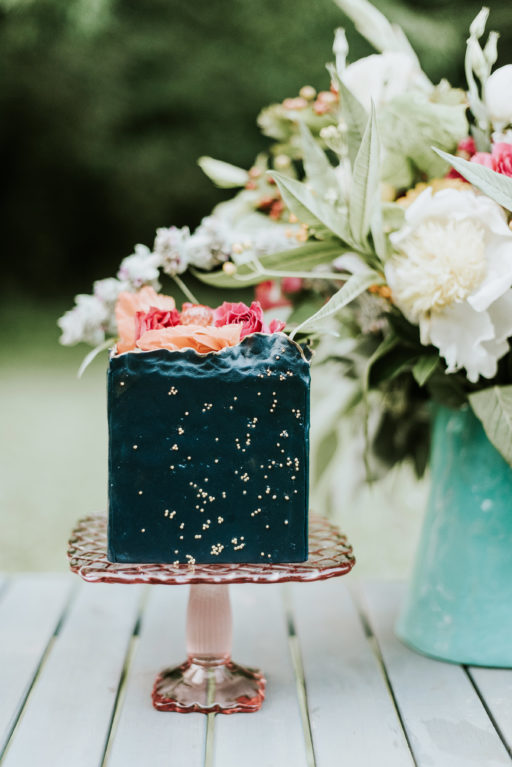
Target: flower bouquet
x: 380, y: 215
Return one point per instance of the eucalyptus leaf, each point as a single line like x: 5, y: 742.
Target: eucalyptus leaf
x: 495, y: 185
x: 365, y: 183
x: 223, y: 174
x: 493, y: 407
x: 354, y: 286
x: 310, y: 209
x: 424, y: 367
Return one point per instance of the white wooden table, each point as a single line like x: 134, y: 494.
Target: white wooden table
x: 77, y: 664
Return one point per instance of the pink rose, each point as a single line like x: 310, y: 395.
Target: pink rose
x: 155, y: 319
x: 276, y: 326
x: 249, y: 317
x: 484, y: 158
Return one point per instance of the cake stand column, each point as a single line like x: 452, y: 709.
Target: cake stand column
x: 209, y: 681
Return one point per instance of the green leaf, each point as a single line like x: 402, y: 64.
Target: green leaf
x: 303, y: 259
x: 310, y: 209
x: 424, y: 367
x: 319, y: 170
x: 409, y: 126
x: 354, y: 286
x: 493, y: 407
x: 356, y: 118
x: 382, y: 349
x: 106, y: 344
x: 365, y: 183
x: 223, y: 174
x: 495, y: 185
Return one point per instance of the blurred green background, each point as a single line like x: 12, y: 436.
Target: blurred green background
x: 105, y: 107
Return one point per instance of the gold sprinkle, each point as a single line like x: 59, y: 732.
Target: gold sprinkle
x: 122, y: 383
x: 140, y: 492
x: 220, y: 520
x: 135, y: 447
x: 175, y: 447
x: 286, y: 521
x: 143, y: 529
x: 181, y: 430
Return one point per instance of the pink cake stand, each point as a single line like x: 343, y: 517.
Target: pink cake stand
x: 208, y: 681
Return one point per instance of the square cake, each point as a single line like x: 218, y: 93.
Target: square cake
x: 209, y: 453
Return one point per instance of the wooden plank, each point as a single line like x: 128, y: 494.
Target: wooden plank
x: 143, y: 735
x: 67, y: 717
x: 445, y: 721
x: 495, y: 687
x: 274, y: 735
x: 30, y: 609
x: 353, y: 718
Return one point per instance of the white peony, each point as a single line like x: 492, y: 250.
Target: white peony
x: 141, y: 268
x: 452, y: 275
x: 498, y: 97
x: 85, y: 322
x: 382, y: 76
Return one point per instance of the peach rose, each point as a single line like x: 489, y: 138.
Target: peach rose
x: 127, y: 306
x: 202, y: 339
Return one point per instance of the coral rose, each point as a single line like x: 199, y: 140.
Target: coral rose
x: 127, y: 306
x: 196, y: 314
x: 202, y: 339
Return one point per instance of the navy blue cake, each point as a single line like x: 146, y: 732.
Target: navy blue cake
x: 208, y: 454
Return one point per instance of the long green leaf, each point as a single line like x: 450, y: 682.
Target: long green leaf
x: 354, y: 286
x: 389, y: 343
x: 303, y: 259
x: 495, y: 185
x: 223, y: 174
x: 356, y: 118
x: 310, y: 209
x: 106, y: 344
x: 493, y: 407
x: 365, y: 183
x: 319, y: 170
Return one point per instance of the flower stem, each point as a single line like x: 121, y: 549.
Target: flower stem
x: 188, y: 293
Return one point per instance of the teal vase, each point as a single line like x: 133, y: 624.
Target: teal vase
x: 459, y: 602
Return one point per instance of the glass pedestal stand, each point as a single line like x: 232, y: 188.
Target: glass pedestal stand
x: 208, y: 681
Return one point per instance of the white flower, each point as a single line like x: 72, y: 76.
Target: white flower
x: 108, y: 290
x: 141, y: 268
x: 498, y: 97
x: 452, y: 276
x: 382, y: 76
x: 210, y: 244
x: 85, y: 322
x: 170, y: 248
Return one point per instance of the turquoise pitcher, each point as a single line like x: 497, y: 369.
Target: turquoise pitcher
x: 459, y: 602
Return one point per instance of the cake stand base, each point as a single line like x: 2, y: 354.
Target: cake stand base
x: 209, y: 682
x: 225, y: 688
